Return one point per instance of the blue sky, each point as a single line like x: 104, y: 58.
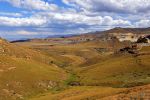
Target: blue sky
x: 40, y: 18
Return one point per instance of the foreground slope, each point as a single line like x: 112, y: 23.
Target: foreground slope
x: 99, y: 93
x: 24, y: 72
x: 80, y: 93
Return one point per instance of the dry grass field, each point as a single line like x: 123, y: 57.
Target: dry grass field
x: 89, y: 70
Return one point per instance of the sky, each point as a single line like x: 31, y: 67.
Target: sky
x: 40, y: 18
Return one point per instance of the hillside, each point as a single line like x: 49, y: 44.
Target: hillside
x: 129, y: 30
x: 24, y: 72
x: 102, y: 93
x: 74, y: 49
x: 135, y: 93
x: 75, y: 66
x: 122, y: 34
x: 94, y: 65
x: 94, y: 68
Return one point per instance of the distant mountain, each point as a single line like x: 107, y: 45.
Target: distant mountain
x: 62, y: 36
x: 95, y: 34
x: 24, y: 40
x: 129, y: 30
x: 116, y: 30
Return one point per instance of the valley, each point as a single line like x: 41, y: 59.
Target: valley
x: 93, y: 66
x: 74, y: 49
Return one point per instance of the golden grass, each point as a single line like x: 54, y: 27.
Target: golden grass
x: 80, y: 93
x: 97, y: 72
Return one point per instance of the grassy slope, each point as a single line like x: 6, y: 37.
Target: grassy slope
x: 134, y: 93
x: 67, y: 55
x: 98, y: 69
x: 80, y: 93
x: 23, y: 52
x: 117, y: 71
x: 24, y: 72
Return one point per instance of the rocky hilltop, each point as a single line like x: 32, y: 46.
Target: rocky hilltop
x: 129, y: 30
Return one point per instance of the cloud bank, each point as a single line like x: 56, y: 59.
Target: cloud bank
x: 73, y: 16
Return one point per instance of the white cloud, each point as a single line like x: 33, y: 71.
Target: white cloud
x: 10, y: 14
x: 79, y: 18
x: 33, y: 4
x: 31, y: 21
x: 117, y: 6
x: 143, y: 23
x: 82, y: 16
x: 66, y: 20
x: 109, y: 21
x: 24, y: 32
